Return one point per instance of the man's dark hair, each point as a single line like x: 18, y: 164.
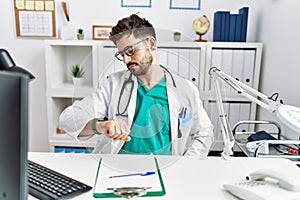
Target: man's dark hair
x: 139, y: 27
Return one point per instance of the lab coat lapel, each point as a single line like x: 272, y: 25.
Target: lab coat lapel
x: 174, y: 107
x: 116, y: 145
x: 132, y: 103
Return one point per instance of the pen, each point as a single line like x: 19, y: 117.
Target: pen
x: 184, y: 112
x: 135, y: 174
x: 129, y: 188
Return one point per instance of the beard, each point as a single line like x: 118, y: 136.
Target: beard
x: 143, y: 67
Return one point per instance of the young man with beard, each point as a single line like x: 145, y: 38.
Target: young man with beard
x: 142, y: 110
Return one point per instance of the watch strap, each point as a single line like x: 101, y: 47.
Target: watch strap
x: 95, y: 120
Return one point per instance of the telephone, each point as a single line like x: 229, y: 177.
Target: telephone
x: 266, y: 184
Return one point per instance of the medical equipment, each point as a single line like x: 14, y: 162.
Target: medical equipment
x: 252, y: 146
x: 130, y: 82
x: 290, y: 115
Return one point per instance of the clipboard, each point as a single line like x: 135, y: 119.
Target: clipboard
x: 119, y: 165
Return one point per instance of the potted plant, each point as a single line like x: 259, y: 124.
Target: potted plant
x: 176, y: 36
x: 80, y: 34
x: 77, y: 73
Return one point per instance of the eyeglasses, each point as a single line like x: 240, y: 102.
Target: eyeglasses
x: 128, y: 51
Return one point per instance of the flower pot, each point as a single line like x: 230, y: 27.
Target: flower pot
x: 78, y: 81
x: 176, y: 36
x: 80, y: 36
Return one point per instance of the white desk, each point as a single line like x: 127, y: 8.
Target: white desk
x: 184, y: 177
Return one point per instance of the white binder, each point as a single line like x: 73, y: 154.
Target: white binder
x: 227, y: 65
x: 162, y: 55
x: 234, y: 113
x: 173, y: 59
x: 249, y: 62
x: 183, y: 63
x: 194, y: 71
x: 237, y: 64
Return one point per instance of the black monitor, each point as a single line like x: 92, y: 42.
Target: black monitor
x: 13, y: 135
x: 8, y: 64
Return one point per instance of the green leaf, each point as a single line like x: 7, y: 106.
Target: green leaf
x: 77, y: 71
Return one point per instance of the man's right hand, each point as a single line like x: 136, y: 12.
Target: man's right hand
x: 116, y: 129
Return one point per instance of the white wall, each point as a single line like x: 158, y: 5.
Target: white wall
x: 275, y: 23
x: 279, y: 31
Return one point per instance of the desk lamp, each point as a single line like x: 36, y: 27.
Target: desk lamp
x: 7, y: 64
x: 287, y: 114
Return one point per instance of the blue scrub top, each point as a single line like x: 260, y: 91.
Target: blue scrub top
x: 150, y: 131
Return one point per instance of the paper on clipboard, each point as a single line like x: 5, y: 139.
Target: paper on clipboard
x: 124, y: 165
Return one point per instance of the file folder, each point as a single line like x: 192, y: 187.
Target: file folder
x: 118, y: 166
x: 249, y: 65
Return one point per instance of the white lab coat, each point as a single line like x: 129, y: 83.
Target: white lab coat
x: 192, y: 136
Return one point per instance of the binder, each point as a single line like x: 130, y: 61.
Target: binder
x: 232, y: 27
x: 216, y: 61
x: 216, y: 57
x: 249, y: 65
x: 183, y: 63
x: 107, y: 64
x: 238, y: 28
x: 117, y: 165
x: 244, y: 11
x: 234, y: 113
x: 172, y: 59
x: 162, y: 56
x: 227, y: 66
x: 244, y: 115
x: 225, y: 26
x: 217, y: 26
x: 238, y: 64
x: 194, y: 71
x: 227, y: 61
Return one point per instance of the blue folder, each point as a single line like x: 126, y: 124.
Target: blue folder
x: 244, y: 11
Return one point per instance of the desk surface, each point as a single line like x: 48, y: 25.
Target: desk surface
x: 184, y: 177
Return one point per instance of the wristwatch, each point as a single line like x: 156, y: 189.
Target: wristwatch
x: 95, y: 120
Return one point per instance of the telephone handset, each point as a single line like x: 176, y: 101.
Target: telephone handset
x: 265, y: 184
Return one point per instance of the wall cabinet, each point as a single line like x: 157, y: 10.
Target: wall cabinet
x: 189, y: 59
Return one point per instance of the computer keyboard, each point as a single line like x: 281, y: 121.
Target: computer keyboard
x: 45, y: 183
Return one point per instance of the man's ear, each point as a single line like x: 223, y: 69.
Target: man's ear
x: 152, y: 42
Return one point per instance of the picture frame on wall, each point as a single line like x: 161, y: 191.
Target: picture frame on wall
x: 101, y: 32
x: 136, y: 3
x: 185, y: 4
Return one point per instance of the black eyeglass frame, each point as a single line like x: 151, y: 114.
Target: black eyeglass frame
x: 129, y: 50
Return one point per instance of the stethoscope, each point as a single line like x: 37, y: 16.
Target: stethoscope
x: 130, y: 83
